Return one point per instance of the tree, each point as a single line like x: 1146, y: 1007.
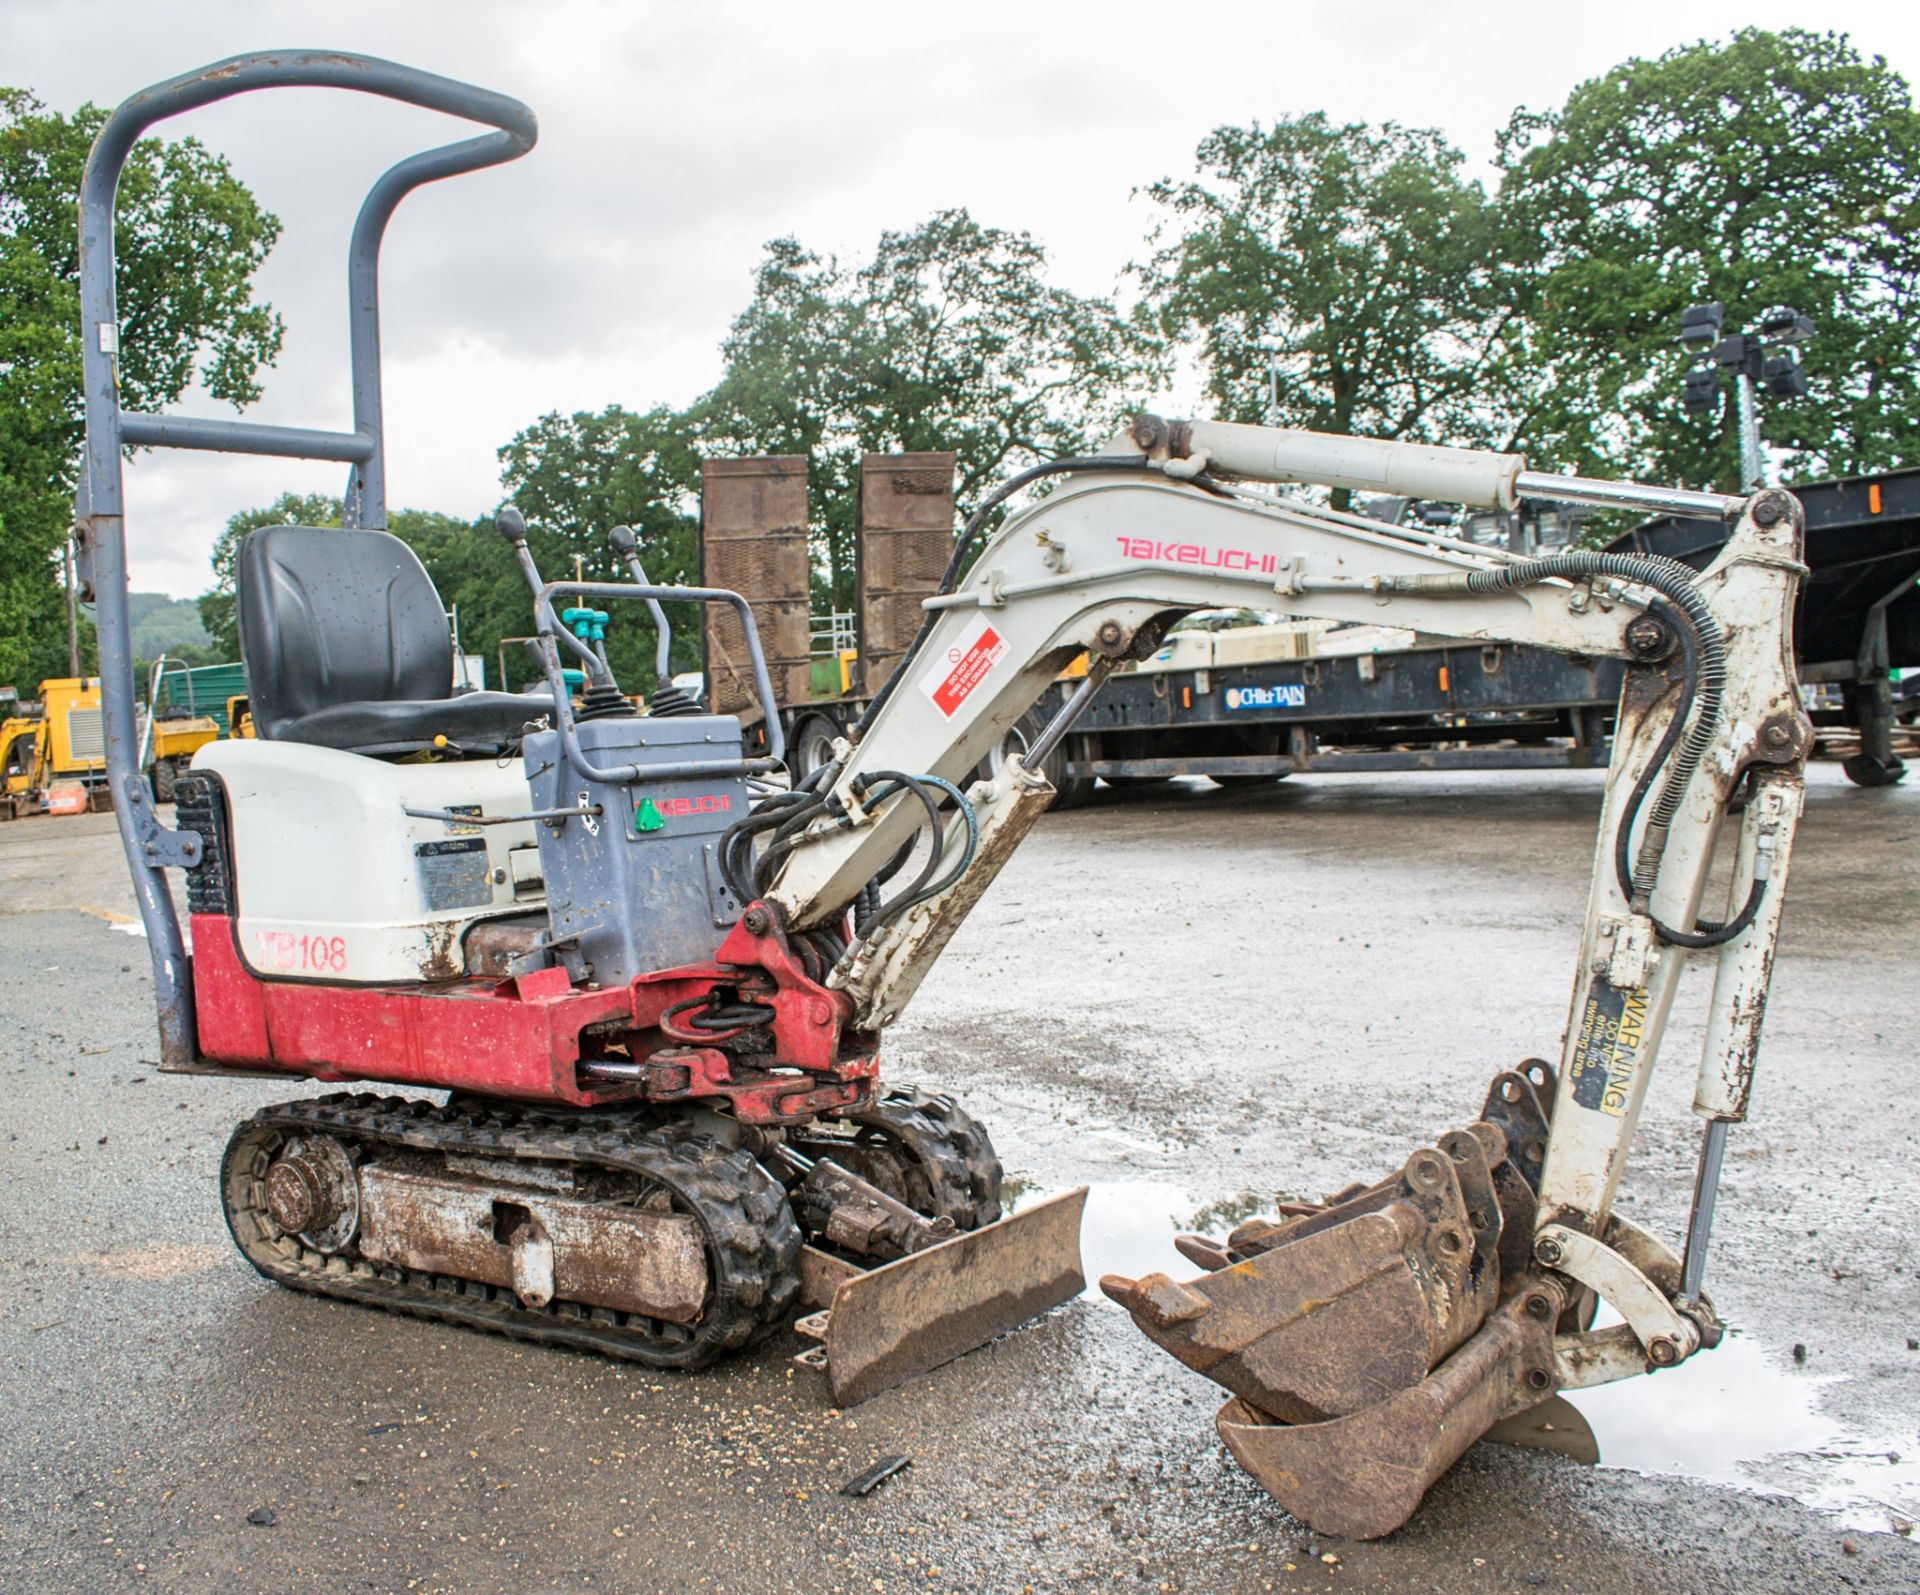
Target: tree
x: 190, y: 239
x: 785, y: 389
x: 1333, y: 277
x: 480, y: 583
x: 1769, y: 169
x: 949, y: 337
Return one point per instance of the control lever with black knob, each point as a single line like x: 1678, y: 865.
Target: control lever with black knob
x: 666, y: 699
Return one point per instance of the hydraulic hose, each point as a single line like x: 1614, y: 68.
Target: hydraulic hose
x: 1675, y: 582
x: 1703, y: 934
x: 925, y: 887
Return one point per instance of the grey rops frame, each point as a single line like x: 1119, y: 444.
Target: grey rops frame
x: 151, y: 847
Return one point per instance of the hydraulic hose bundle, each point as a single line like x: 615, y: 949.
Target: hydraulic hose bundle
x: 786, y: 817
x: 1696, y: 718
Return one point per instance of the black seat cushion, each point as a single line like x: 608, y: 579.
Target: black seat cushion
x: 346, y: 645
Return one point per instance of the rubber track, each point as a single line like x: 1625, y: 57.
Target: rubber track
x: 949, y: 1149
x: 752, y: 1242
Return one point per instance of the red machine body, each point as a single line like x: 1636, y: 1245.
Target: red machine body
x: 526, y: 1037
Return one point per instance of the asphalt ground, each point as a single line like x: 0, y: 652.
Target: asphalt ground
x: 1193, y: 998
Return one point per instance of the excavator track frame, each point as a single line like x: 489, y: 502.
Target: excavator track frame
x: 742, y: 1211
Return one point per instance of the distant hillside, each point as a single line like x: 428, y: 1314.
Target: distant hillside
x: 165, y: 625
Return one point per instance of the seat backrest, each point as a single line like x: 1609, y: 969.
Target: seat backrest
x: 329, y: 616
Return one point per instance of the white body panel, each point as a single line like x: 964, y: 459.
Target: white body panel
x: 332, y: 883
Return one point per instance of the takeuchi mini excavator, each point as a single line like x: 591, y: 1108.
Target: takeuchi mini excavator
x: 650, y: 979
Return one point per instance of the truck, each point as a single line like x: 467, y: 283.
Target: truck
x: 1253, y: 697
x: 52, y: 754
x: 1242, y: 697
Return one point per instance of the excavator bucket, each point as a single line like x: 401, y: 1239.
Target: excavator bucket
x: 882, y: 1326
x: 1361, y: 1476
x: 1368, y: 1340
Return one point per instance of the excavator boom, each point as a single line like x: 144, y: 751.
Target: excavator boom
x: 1401, y: 1316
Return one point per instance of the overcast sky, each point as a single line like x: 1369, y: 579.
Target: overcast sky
x: 676, y: 138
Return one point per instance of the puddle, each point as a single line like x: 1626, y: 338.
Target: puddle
x: 1733, y: 1417
x: 1129, y: 1229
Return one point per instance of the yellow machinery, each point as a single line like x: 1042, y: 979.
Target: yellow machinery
x: 55, y: 759
x: 175, y: 741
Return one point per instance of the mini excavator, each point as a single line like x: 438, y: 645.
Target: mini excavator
x: 651, y: 979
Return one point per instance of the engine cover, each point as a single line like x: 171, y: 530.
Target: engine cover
x: 337, y: 883
x: 637, y: 888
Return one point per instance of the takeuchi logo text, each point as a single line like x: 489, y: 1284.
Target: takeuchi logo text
x: 710, y: 803
x: 1149, y: 548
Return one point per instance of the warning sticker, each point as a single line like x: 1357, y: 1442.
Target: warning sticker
x: 453, y: 874
x: 964, y: 666
x: 1613, y: 1027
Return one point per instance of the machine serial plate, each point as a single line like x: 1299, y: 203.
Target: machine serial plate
x: 453, y: 873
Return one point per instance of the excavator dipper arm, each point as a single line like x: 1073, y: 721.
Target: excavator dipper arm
x: 1709, y: 724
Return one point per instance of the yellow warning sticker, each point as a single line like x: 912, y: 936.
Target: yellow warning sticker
x: 1606, y: 1052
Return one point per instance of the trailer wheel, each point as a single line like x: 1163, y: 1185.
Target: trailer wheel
x: 1863, y: 769
x: 166, y: 773
x: 811, y: 745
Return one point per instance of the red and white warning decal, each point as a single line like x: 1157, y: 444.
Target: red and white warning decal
x: 964, y: 666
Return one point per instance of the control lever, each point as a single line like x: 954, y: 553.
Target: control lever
x: 512, y: 525
x: 666, y: 698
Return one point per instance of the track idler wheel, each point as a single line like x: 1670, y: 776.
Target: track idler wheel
x: 921, y: 1149
x: 1369, y: 1340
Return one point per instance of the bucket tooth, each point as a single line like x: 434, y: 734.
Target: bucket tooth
x: 1157, y: 1300
x: 1348, y: 1306
x: 1362, y: 1475
x: 885, y: 1325
x: 1203, y: 1253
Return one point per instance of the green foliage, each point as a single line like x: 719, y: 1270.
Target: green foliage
x: 1768, y: 169
x: 190, y: 238
x: 480, y: 581
x: 170, y: 626
x: 575, y: 478
x: 949, y: 337
x: 1333, y: 277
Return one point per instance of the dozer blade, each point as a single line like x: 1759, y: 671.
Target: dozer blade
x: 1363, y: 1475
x: 886, y: 1325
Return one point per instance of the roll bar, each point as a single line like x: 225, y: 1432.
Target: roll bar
x: 100, y: 503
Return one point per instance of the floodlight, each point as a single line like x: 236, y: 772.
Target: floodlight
x: 1700, y: 392
x: 1700, y: 324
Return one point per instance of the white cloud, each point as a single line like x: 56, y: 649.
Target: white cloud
x: 676, y: 138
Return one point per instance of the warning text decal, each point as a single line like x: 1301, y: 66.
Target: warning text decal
x: 1607, y: 1049
x: 963, y: 666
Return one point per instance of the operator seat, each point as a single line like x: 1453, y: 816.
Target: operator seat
x: 346, y: 645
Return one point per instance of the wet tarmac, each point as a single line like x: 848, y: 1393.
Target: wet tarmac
x: 1193, y: 1000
